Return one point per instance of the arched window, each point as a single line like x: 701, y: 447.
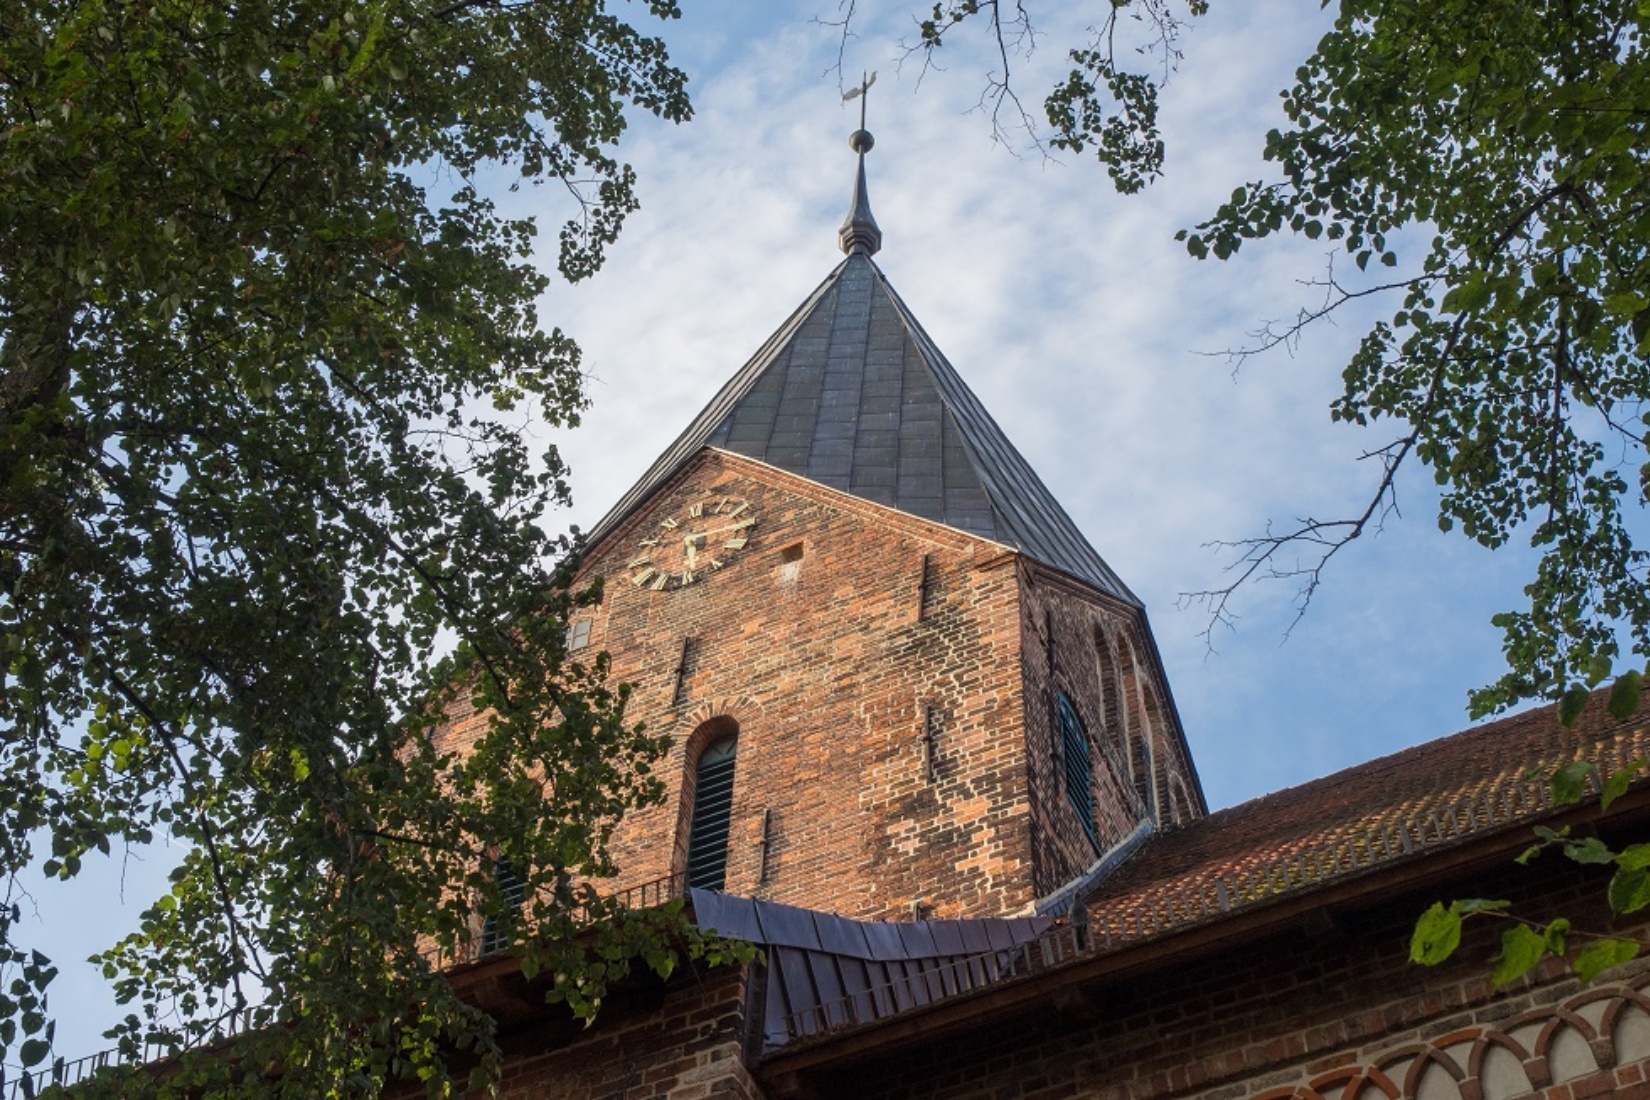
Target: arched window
x: 707, y: 849
x: 495, y: 932
x: 1074, y: 750
x: 1142, y: 730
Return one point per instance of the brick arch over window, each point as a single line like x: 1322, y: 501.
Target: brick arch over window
x: 705, y: 808
x: 1180, y: 801
x: 1534, y: 1055
x: 1115, y: 732
x: 1143, y: 730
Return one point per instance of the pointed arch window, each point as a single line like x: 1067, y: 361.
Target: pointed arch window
x: 707, y: 850
x: 495, y: 935
x: 1079, y: 768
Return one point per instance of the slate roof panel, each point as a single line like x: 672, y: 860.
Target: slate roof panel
x: 852, y: 366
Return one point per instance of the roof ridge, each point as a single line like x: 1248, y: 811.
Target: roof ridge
x: 1590, y: 734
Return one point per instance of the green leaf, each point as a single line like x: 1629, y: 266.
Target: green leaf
x: 1572, y: 703
x: 1616, y: 784
x: 1625, y: 695
x: 1601, y: 955
x: 1557, y: 935
x: 1635, y: 857
x: 1590, y: 850
x: 1630, y: 890
x: 1437, y: 935
x: 1598, y: 669
x: 1569, y: 783
x: 1522, y: 949
x: 33, y: 1052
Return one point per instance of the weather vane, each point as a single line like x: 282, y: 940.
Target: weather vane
x: 859, y: 235
x: 862, y: 135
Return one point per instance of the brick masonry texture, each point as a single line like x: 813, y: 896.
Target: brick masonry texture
x: 1097, y: 652
x: 889, y: 680
x: 1329, y: 1010
x: 827, y: 664
x: 891, y: 691
x: 684, y: 1042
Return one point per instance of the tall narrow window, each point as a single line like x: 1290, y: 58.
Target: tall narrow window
x: 707, y: 854
x: 1074, y: 750
x: 495, y: 935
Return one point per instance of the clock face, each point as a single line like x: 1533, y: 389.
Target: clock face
x: 690, y: 545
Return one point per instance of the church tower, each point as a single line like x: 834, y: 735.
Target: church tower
x: 898, y: 680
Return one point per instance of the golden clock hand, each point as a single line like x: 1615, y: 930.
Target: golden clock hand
x: 740, y: 526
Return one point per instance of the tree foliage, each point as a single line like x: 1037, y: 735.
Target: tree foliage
x: 1525, y: 944
x: 1506, y: 142
x: 1482, y: 166
x: 269, y: 376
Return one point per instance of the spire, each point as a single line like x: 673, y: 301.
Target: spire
x: 859, y: 234
x: 853, y: 394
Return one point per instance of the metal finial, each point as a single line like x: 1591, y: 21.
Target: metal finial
x: 859, y: 232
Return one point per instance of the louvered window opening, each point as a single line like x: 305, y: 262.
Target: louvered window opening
x: 1074, y: 746
x: 707, y: 858
x: 494, y: 936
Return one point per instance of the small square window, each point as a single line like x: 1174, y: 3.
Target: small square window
x: 578, y: 635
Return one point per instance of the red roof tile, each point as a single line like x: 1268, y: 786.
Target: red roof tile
x: 1483, y: 780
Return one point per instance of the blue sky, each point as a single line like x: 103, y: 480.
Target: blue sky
x: 1084, y: 328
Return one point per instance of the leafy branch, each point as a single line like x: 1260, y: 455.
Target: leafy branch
x: 1526, y: 943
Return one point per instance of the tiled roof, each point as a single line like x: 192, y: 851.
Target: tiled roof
x: 853, y: 394
x: 1484, y: 780
x: 1401, y: 808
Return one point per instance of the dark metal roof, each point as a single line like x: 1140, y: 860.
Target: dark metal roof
x: 853, y: 394
x: 825, y: 971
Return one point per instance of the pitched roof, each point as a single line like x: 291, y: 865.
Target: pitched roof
x: 852, y: 393
x: 1405, y: 808
x: 1482, y: 781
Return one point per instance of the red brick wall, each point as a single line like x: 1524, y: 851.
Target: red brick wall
x: 896, y: 747
x: 827, y: 665
x: 1139, y: 763
x: 688, y: 1047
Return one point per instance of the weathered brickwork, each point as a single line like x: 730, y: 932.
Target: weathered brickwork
x: 1098, y: 653
x: 1308, y: 1013
x: 878, y: 715
x: 888, y: 682
x: 685, y: 1043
